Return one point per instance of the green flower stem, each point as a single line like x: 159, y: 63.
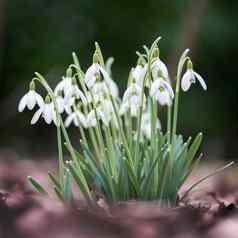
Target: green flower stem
x: 151, y: 51
x: 182, y: 61
x: 84, y: 139
x: 130, y: 162
x: 80, y: 75
x: 84, y: 188
x: 61, y: 159
x: 169, y: 112
x: 128, y: 124
x: 98, y: 128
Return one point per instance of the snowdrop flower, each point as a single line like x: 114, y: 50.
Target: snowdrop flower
x: 102, y: 89
x: 60, y: 102
x: 146, y: 125
x: 158, y: 67
x: 91, y: 75
x: 162, y: 92
x: 47, y: 111
x: 106, y: 113
x: 112, y: 86
x: 74, y: 91
x: 64, y: 85
x: 132, y: 100
x: 91, y: 119
x: 190, y: 77
x: 77, y: 118
x: 30, y: 99
x: 139, y: 73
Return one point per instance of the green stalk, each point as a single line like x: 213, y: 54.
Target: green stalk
x: 61, y: 159
x: 142, y: 94
x: 85, y: 187
x: 182, y: 61
x: 169, y: 111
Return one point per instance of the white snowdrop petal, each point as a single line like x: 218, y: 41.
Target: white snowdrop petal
x: 113, y: 88
x: 48, y: 114
x: 60, y: 104
x: 154, y: 87
x: 80, y: 94
x: 186, y: 81
x: 123, y: 108
x: 201, y: 80
x: 59, y: 87
x: 36, y: 116
x: 90, y: 82
x: 31, y: 99
x: 69, y: 119
x: 22, y: 103
x: 90, y: 75
x: 103, y: 117
x: 164, y: 98
x: 39, y: 100
x: 67, y: 85
x: 159, y: 65
x: 105, y: 74
x: 169, y: 88
x: 135, y: 100
x: 82, y: 119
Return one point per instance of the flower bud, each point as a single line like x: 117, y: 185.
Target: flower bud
x: 74, y: 81
x: 47, y: 99
x: 32, y: 85
x: 189, y: 64
x: 69, y: 73
x: 141, y: 61
x: 95, y: 58
x: 156, y: 53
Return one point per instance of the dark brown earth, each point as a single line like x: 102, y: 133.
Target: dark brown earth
x: 210, y: 212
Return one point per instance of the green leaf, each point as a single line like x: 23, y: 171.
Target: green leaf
x: 54, y: 180
x: 37, y: 186
x: 67, y: 186
x: 59, y: 194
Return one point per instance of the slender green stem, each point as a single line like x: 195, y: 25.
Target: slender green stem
x: 169, y: 111
x: 61, y: 159
x: 85, y: 188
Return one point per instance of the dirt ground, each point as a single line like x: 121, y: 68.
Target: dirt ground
x: 209, y: 212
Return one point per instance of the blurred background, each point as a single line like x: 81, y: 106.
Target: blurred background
x: 39, y: 35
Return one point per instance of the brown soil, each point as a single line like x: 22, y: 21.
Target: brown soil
x: 210, y: 212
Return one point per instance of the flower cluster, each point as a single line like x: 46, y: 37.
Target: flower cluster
x: 124, y: 135
x: 86, y: 105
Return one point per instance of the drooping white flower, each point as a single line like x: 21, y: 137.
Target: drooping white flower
x: 162, y: 92
x: 77, y: 118
x: 60, y: 102
x: 146, y: 124
x: 30, y: 99
x: 91, y: 75
x: 139, y: 73
x: 190, y: 77
x: 74, y: 91
x: 106, y: 112
x: 91, y: 118
x: 47, y: 111
x: 132, y: 100
x: 64, y: 85
x: 159, y: 67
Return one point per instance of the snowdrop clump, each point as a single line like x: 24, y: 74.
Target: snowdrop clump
x: 126, y: 153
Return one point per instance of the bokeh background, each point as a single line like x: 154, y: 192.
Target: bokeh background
x: 39, y: 35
